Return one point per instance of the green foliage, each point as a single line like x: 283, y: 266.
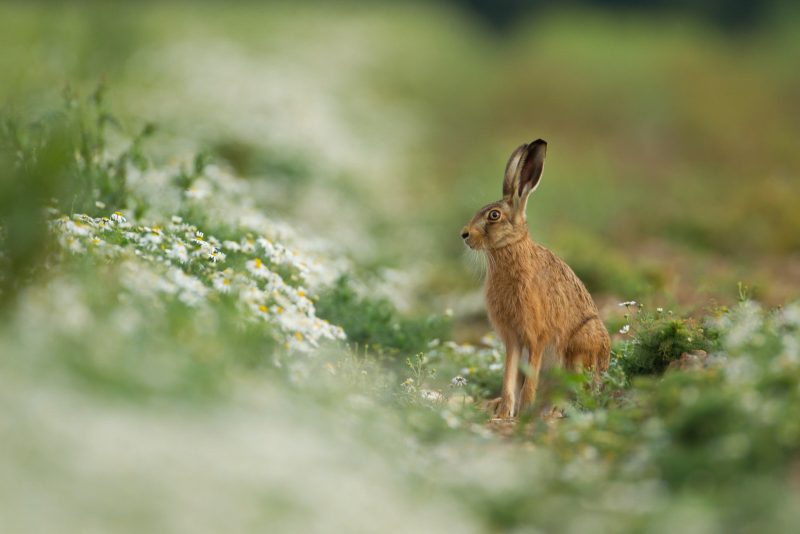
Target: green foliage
x: 97, y: 179
x: 33, y: 163
x: 481, y: 365
x: 60, y: 160
x: 659, y: 338
x: 375, y: 322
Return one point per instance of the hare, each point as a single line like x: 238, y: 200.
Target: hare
x: 535, y: 302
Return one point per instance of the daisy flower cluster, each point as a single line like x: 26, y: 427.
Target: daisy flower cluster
x: 268, y: 281
x: 232, y: 202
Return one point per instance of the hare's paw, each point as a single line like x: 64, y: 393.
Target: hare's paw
x: 504, y: 410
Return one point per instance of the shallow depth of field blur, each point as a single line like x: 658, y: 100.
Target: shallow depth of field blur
x: 234, y: 296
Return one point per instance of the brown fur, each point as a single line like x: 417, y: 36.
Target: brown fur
x: 534, y: 300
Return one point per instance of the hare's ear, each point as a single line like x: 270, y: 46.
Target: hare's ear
x: 530, y: 173
x: 511, y: 179
x: 523, y: 172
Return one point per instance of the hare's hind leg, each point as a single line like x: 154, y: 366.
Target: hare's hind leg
x: 589, y: 348
x: 581, y: 347
x: 602, y: 353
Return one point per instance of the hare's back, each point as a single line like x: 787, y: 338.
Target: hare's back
x: 565, y: 291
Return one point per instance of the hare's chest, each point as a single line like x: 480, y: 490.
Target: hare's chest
x: 507, y: 303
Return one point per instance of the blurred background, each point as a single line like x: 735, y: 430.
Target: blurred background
x: 673, y: 128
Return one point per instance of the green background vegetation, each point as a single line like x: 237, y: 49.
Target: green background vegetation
x: 672, y: 163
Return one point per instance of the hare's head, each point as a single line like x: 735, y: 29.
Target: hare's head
x: 503, y: 222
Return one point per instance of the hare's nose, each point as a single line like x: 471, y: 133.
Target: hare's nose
x: 464, y: 234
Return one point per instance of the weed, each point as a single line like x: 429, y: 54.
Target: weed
x: 376, y: 322
x: 655, y: 339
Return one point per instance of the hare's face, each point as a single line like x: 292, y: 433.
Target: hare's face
x: 503, y: 222
x: 494, y: 226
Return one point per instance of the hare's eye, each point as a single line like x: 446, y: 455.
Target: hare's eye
x: 494, y: 215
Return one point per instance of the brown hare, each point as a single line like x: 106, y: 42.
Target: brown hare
x: 535, y: 302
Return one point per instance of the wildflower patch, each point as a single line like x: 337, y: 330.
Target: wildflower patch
x: 179, y: 260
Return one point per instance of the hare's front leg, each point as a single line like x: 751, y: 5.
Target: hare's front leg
x: 508, y: 394
x: 531, y: 382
